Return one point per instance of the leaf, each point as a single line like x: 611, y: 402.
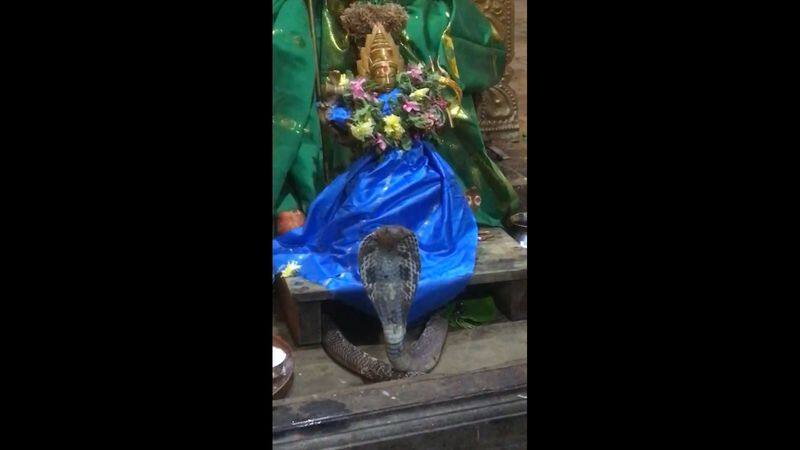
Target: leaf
x: 362, y: 113
x: 404, y: 83
x: 467, y: 314
x: 405, y: 142
x: 480, y: 310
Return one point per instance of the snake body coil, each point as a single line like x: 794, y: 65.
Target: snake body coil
x: 388, y: 263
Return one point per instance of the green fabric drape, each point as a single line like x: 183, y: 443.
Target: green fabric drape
x: 297, y: 174
x: 452, y: 32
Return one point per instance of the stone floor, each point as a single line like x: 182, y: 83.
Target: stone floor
x: 464, y: 350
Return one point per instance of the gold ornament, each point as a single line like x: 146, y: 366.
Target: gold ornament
x: 333, y: 84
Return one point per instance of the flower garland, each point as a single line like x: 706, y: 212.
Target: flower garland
x: 413, y: 110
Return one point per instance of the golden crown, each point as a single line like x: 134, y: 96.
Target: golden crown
x: 380, y: 58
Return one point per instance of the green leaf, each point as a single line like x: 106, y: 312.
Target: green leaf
x: 362, y: 113
x: 480, y: 310
x: 470, y: 313
x: 405, y: 142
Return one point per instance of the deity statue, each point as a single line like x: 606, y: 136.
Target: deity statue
x: 451, y: 34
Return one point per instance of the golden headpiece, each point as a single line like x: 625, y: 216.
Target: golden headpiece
x: 371, y: 27
x: 380, y: 59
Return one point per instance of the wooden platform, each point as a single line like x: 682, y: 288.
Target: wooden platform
x: 500, y: 262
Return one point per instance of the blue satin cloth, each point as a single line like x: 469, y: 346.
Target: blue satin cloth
x: 415, y: 189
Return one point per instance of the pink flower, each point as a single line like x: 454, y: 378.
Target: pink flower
x: 431, y: 121
x: 441, y: 103
x: 426, y: 121
x: 357, y: 88
x: 380, y: 142
x: 415, y: 72
x: 410, y: 106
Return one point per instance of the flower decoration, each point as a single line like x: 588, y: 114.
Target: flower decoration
x: 410, y: 106
x: 290, y: 269
x: 415, y: 109
x: 391, y: 124
x: 419, y: 94
x: 380, y: 142
x: 357, y: 89
x: 415, y: 73
x: 363, y: 129
x: 387, y: 100
x: 338, y: 115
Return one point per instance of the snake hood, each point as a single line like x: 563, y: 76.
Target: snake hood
x: 388, y: 262
x: 389, y: 268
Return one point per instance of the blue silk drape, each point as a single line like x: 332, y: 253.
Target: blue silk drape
x: 415, y: 189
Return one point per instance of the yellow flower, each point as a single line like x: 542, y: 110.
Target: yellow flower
x: 419, y: 94
x: 343, y: 80
x: 391, y: 121
x: 392, y: 126
x: 361, y: 130
x: 291, y: 268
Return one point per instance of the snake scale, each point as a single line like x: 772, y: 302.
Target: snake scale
x: 388, y: 263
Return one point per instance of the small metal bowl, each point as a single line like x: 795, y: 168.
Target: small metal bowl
x: 283, y: 372
x: 518, y: 227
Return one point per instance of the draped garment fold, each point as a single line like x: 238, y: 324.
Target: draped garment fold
x: 416, y: 189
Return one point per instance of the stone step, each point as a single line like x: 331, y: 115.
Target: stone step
x: 464, y: 351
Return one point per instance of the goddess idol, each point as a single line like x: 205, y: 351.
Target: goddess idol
x: 318, y: 36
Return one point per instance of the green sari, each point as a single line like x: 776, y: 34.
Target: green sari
x: 453, y: 33
x: 296, y: 146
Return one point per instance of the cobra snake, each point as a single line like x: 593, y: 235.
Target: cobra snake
x: 388, y: 263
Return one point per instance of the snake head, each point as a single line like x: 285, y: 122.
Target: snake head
x: 389, y: 237
x: 388, y: 263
